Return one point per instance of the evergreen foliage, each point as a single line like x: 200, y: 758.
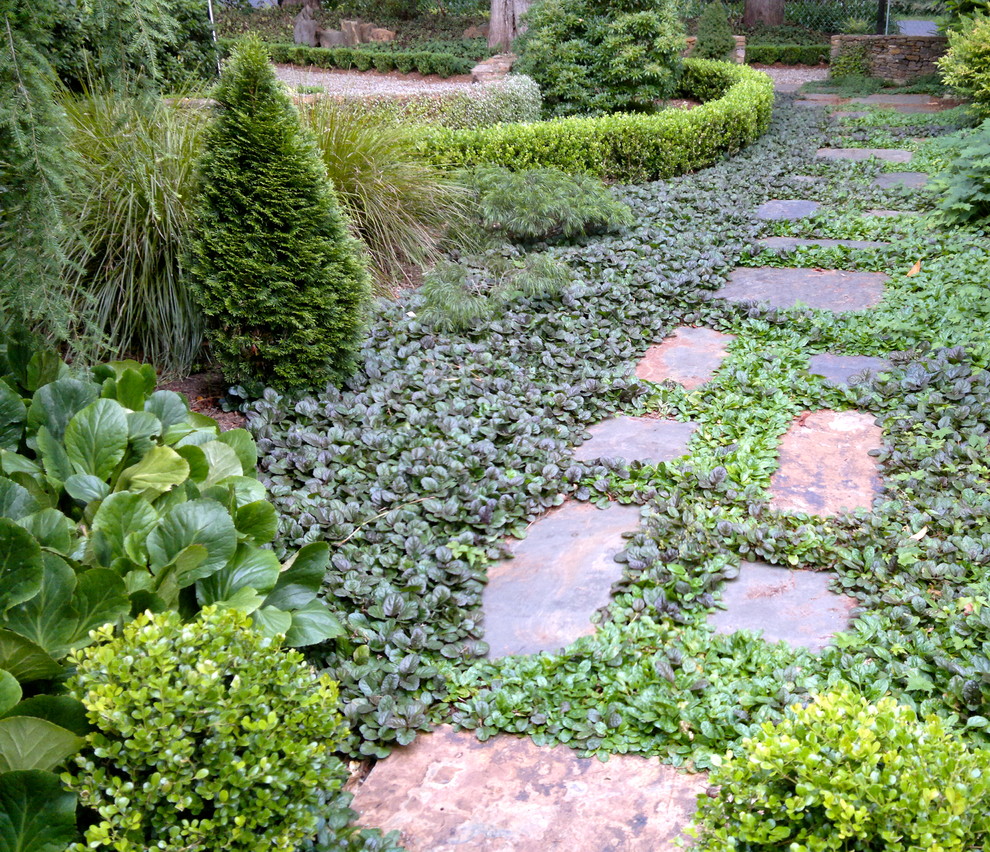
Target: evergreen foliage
x: 591, y: 60
x: 278, y: 276
x: 966, y: 66
x: 715, y: 39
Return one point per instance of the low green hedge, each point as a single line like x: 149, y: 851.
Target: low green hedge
x: 425, y: 62
x: 787, y: 54
x: 630, y: 147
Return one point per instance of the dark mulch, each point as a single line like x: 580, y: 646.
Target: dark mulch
x: 204, y: 392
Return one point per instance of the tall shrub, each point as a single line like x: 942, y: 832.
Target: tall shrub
x: 279, y: 278
x: 590, y: 59
x: 715, y: 39
x: 966, y: 65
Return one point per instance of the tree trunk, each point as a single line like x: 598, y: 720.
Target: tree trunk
x: 769, y: 12
x: 505, y: 23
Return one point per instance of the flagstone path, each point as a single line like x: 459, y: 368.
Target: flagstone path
x: 690, y: 357
x: 642, y: 439
x: 790, y: 243
x: 790, y: 209
x: 907, y: 180
x: 890, y: 155
x: 829, y: 289
x: 845, y: 369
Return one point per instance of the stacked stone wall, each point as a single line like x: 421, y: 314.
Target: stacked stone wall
x: 895, y: 58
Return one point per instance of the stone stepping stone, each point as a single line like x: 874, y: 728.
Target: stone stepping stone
x: 543, y: 599
x: 788, y: 243
x: 895, y: 100
x: 822, y: 98
x: 888, y: 213
x: 642, y: 439
x: 690, y: 357
x: 786, y: 209
x: 825, y: 466
x: 840, y: 369
x: 890, y: 155
x: 794, y: 606
x: 828, y: 289
x: 850, y: 114
x: 447, y: 792
x: 905, y: 180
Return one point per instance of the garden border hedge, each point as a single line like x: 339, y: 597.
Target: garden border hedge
x: 425, y: 62
x: 630, y: 147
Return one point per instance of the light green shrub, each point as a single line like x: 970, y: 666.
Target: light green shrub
x: 843, y: 774
x: 627, y: 147
x: 966, y: 65
x: 208, y: 735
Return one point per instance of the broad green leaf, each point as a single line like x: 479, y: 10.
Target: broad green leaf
x: 25, y: 660
x: 15, y: 463
x: 15, y: 500
x: 241, y: 489
x: 100, y: 597
x: 86, y: 488
x: 168, y: 407
x: 50, y: 528
x: 301, y: 577
x: 28, y: 743
x: 96, y: 438
x: 133, y: 390
x: 176, y: 574
x: 36, y: 813
x: 251, y: 567
x: 223, y: 462
x: 311, y: 624
x: 142, y: 430
x: 21, y: 567
x: 159, y: 471
x: 241, y: 442
x: 13, y: 416
x: 53, y: 455
x: 61, y: 710
x: 10, y: 691
x: 46, y: 618
x: 199, y: 467
x: 120, y: 516
x: 44, y: 367
x: 269, y: 621
x: 258, y: 521
x: 203, y: 522
x: 57, y: 403
x: 245, y: 600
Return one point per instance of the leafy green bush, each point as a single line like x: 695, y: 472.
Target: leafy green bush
x: 541, y: 203
x: 278, y: 276
x: 626, y: 147
x: 590, y: 60
x: 966, y: 65
x: 787, y: 54
x: 844, y: 774
x: 399, y: 204
x: 965, y: 195
x: 204, y: 730
x: 852, y: 61
x: 715, y: 39
x: 129, y: 208
x: 364, y: 59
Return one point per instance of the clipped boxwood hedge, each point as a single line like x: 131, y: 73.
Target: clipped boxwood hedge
x: 787, y: 54
x: 631, y: 147
x: 425, y: 62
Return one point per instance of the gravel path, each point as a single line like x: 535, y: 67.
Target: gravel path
x: 365, y: 83
x: 788, y: 78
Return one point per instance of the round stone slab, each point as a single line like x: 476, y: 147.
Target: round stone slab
x: 642, y: 439
x: 543, y: 598
x: 790, y: 605
x: 905, y: 180
x: 891, y: 155
x: 790, y: 209
x: 447, y: 792
x: 841, y: 369
x: 825, y: 466
x: 789, y: 243
x: 690, y: 357
x: 829, y: 289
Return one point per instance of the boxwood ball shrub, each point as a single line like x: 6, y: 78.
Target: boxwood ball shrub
x: 845, y: 774
x: 207, y: 735
x: 589, y: 59
x: 279, y: 278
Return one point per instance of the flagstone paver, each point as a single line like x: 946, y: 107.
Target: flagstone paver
x: 895, y: 100
x: 840, y: 369
x: 791, y: 605
x: 790, y: 209
x: 785, y: 243
x: 888, y: 213
x: 447, y: 792
x: 907, y: 180
x: 850, y: 114
x: 690, y: 357
x: 890, y: 155
x: 824, y: 464
x: 829, y: 289
x: 643, y: 439
x: 543, y: 598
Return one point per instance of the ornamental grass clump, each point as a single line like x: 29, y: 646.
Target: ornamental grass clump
x: 844, y: 774
x: 208, y: 735
x: 280, y: 279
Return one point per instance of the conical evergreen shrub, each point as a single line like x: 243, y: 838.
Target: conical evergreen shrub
x: 279, y: 278
x: 715, y: 39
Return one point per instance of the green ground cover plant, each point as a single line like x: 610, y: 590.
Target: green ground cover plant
x: 417, y: 502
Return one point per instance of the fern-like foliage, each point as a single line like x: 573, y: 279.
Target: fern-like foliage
x: 965, y: 196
